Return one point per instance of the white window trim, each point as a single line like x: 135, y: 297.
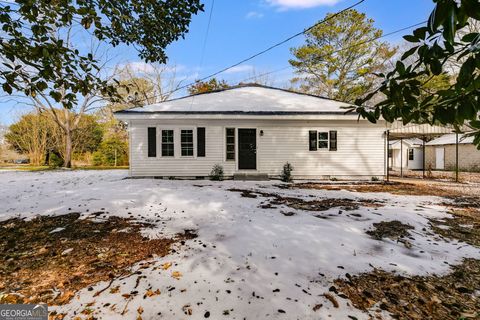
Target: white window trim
x: 328, y: 140
x: 194, y: 137
x: 234, y: 160
x: 161, y: 143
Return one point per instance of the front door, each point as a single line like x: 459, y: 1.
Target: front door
x: 440, y: 158
x: 247, y: 149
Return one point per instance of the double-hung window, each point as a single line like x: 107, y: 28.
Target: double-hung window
x: 168, y: 149
x: 319, y: 140
x: 186, y: 139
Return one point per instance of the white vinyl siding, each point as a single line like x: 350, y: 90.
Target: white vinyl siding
x: 360, y: 148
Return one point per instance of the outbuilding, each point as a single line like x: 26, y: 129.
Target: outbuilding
x: 406, y: 154
x: 254, y: 130
x: 440, y: 153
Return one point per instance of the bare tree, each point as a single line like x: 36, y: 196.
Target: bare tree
x: 68, y: 120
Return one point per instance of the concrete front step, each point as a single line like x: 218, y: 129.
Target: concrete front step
x: 254, y: 176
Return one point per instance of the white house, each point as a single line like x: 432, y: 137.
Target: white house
x: 253, y: 130
x: 407, y: 153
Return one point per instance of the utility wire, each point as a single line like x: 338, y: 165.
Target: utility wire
x: 267, y: 49
x: 341, y: 49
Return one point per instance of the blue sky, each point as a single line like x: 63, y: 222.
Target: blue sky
x: 241, y: 28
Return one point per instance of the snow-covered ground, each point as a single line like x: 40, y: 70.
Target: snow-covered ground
x: 247, y: 262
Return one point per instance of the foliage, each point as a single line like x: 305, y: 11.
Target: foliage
x: 113, y: 151
x: 286, y: 175
x: 217, y: 173
x: 448, y: 38
x: 208, y: 86
x: 30, y: 41
x: 37, y: 134
x: 325, y: 68
x: 31, y: 136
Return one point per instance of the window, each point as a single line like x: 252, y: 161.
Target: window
x: 152, y: 142
x: 333, y: 141
x: 186, y: 138
x: 168, y: 149
x: 390, y: 153
x: 410, y: 154
x: 323, y: 140
x: 230, y: 144
x: 200, y: 142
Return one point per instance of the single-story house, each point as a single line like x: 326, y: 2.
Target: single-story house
x: 253, y: 130
x: 440, y: 153
x: 406, y: 153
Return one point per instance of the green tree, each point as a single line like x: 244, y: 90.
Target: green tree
x: 448, y: 37
x: 31, y: 43
x: 208, y: 86
x: 324, y: 67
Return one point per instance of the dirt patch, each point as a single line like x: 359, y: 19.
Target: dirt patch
x: 464, y: 226
x: 50, y: 258
x: 453, y: 296
x: 393, y: 188
x: 394, y: 230
x: 308, y: 205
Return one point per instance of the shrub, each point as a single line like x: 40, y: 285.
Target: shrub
x: 287, y: 172
x: 55, y: 160
x: 217, y: 173
x: 375, y: 179
x: 111, y: 151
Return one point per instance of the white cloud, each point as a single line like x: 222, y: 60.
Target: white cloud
x: 139, y: 67
x: 240, y: 69
x: 254, y: 15
x: 301, y: 4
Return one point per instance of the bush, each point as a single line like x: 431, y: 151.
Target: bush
x: 55, y: 160
x: 217, y: 173
x: 375, y: 179
x: 287, y: 172
x: 111, y: 149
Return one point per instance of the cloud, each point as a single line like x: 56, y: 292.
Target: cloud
x: 254, y: 15
x: 139, y: 67
x: 301, y: 4
x: 240, y: 69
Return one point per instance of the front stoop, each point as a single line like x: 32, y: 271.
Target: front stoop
x: 254, y: 176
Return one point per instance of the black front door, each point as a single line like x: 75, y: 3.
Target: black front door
x: 247, y: 149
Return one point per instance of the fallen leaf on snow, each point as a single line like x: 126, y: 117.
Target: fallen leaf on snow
x: 176, y: 274
x: 166, y: 265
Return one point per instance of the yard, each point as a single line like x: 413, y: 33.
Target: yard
x: 95, y: 245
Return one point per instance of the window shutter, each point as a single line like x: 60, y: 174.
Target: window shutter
x: 313, y: 140
x: 152, y: 142
x: 200, y: 142
x: 333, y: 140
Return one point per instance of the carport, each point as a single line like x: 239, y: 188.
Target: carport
x: 425, y: 132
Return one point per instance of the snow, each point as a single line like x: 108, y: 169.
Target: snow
x: 243, y: 253
x: 247, y: 99
x: 451, y: 139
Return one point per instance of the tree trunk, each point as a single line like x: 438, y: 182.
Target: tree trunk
x: 68, y: 149
x: 67, y: 162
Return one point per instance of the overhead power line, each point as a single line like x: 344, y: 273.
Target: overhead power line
x: 265, y: 50
x: 340, y: 50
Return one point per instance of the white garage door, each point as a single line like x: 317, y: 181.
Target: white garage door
x: 440, y: 158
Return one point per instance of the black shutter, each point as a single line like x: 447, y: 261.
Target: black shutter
x: 200, y: 142
x: 333, y: 140
x: 313, y: 140
x: 152, y: 142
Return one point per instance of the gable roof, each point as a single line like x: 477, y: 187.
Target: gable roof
x: 245, y: 99
x: 413, y: 142
x: 451, y: 139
